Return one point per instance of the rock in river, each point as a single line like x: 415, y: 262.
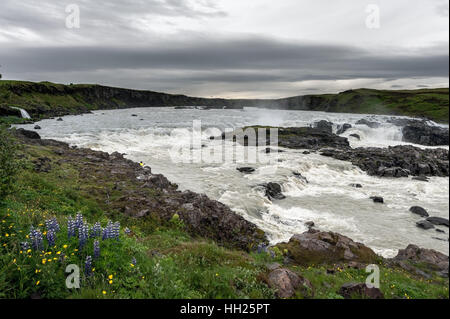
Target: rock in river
x: 273, y: 191
x: 419, y: 211
x: 438, y: 221
x: 425, y: 225
x: 377, y: 199
x: 419, y: 132
x: 246, y: 170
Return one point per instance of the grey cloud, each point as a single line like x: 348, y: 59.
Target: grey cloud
x: 235, y: 60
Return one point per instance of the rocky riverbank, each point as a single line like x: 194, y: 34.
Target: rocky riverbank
x: 314, y: 264
x: 140, y: 193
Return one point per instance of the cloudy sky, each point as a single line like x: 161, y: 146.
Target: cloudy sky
x: 229, y: 48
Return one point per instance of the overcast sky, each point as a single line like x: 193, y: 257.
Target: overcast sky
x: 229, y: 48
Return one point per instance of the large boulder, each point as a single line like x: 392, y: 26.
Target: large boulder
x: 324, y: 126
x: 419, y: 132
x: 360, y: 291
x: 286, y: 283
x: 316, y: 247
x: 415, y: 259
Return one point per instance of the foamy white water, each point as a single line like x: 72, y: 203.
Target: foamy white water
x: 328, y: 199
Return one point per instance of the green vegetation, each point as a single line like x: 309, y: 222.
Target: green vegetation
x: 429, y: 103
x: 152, y: 258
x: 45, y: 99
x: 9, y: 164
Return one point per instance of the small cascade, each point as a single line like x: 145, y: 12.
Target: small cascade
x: 23, y: 113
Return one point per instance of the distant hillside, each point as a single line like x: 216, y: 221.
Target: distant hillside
x: 429, y: 103
x: 45, y: 99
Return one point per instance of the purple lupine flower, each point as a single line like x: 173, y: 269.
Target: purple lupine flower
x: 51, y: 238
x: 71, y: 227
x: 127, y: 231
x: 36, y: 239
x: 96, y: 230
x: 83, y: 234
x: 134, y: 261
x: 88, y: 266
x: 52, y: 224
x: 96, y: 249
x: 79, y: 221
x: 116, y: 230
x: 108, y: 231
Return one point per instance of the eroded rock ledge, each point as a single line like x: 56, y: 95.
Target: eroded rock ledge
x: 394, y: 161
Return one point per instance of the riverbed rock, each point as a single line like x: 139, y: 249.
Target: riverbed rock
x: 419, y: 132
x: 301, y: 177
x: 425, y: 225
x: 317, y: 247
x: 310, y: 224
x: 287, y: 283
x: 246, y: 170
x: 439, y: 221
x: 421, y: 178
x: 377, y: 199
x: 324, y: 126
x: 368, y: 123
x: 419, y: 211
x: 419, y: 260
x: 395, y: 161
x: 356, y: 185
x: 273, y: 191
x: 356, y: 136
x: 296, y: 138
x: 343, y: 128
x: 360, y: 291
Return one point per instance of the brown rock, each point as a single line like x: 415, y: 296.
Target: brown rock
x: 360, y: 291
x: 287, y: 282
x: 432, y: 259
x: 316, y: 247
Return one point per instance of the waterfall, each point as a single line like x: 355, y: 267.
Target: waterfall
x: 23, y: 113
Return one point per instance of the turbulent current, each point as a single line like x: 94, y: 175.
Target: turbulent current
x: 327, y: 199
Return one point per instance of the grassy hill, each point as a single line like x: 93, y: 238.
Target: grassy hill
x: 45, y: 99
x: 429, y: 103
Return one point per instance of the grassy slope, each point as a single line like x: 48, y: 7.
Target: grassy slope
x: 430, y: 103
x: 170, y: 263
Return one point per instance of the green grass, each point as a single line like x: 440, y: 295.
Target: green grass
x: 429, y: 103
